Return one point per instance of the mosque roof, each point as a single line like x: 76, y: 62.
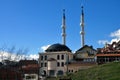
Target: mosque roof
x: 57, y: 47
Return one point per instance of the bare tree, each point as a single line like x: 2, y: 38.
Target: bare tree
x: 21, y: 54
x: 12, y: 53
x: 2, y: 51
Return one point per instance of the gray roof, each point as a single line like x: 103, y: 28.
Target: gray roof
x: 85, y: 47
x: 57, y: 47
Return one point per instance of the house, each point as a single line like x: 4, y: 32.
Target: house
x: 109, y: 53
x: 10, y: 72
x: 31, y: 72
x: 84, y: 58
x: 22, y: 70
x: 85, y: 54
x: 30, y: 69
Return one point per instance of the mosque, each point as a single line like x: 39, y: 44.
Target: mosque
x: 59, y: 60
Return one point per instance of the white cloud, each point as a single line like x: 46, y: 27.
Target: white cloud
x: 115, y: 38
x: 11, y: 56
x: 102, y: 42
x: 116, y: 34
x: 6, y: 55
x: 33, y: 56
x: 43, y: 48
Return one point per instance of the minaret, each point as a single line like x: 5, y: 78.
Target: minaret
x: 82, y: 28
x: 63, y: 29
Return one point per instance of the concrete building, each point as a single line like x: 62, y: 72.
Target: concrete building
x: 85, y: 54
x: 54, y: 60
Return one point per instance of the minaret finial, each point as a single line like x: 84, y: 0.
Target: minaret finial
x: 63, y: 29
x: 82, y: 28
x: 82, y: 10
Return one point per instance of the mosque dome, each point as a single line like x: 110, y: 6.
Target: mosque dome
x: 57, y: 47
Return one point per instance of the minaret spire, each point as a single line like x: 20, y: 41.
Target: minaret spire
x: 63, y: 29
x: 82, y: 28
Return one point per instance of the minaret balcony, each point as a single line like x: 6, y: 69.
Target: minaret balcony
x: 63, y: 34
x: 82, y: 33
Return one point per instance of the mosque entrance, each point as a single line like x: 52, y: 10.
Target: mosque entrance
x: 52, y: 73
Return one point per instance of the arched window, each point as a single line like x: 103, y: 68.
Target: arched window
x: 62, y: 64
x: 58, y: 57
x: 45, y: 64
x: 41, y: 64
x: 58, y: 64
x: 71, y: 70
x: 62, y: 57
x: 45, y: 57
x: 44, y: 73
x: 41, y: 57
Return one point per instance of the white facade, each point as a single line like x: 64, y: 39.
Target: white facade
x: 54, y: 63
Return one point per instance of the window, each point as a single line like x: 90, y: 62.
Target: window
x: 58, y: 57
x: 45, y: 57
x: 29, y: 77
x: 62, y: 57
x: 58, y: 64
x: 33, y: 77
x: 71, y: 70
x: 60, y: 72
x: 45, y: 64
x: 51, y: 72
x: 44, y: 72
x: 41, y: 64
x: 62, y: 64
x: 41, y: 57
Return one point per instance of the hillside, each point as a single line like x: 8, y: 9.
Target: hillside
x: 110, y: 71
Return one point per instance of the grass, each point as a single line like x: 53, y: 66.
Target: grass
x: 109, y: 71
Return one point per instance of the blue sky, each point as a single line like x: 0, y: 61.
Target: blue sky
x: 33, y: 24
